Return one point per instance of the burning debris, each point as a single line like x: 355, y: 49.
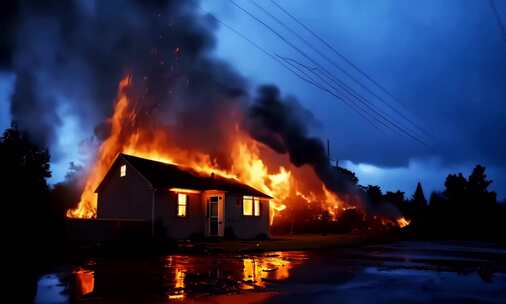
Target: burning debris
x: 402, y: 222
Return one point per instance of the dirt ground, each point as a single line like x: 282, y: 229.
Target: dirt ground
x: 284, y: 243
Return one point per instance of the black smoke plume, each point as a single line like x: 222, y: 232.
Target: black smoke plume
x: 68, y: 57
x: 282, y: 124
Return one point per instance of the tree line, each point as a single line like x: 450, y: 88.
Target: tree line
x: 465, y: 209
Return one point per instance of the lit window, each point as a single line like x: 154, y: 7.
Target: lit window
x: 182, y: 203
x: 257, y: 206
x: 122, y: 171
x: 247, y: 205
x: 250, y: 205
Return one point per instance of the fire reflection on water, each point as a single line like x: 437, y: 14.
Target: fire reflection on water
x: 190, y: 274
x: 179, y: 267
x: 179, y: 277
x: 257, y: 270
x: 85, y: 281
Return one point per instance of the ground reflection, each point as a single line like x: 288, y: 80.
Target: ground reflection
x: 416, y: 272
x: 174, y: 264
x: 257, y: 271
x: 225, y: 273
x: 85, y: 280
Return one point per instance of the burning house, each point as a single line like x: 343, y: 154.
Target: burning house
x: 158, y: 175
x: 181, y: 201
x: 178, y: 103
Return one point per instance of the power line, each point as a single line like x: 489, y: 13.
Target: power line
x: 384, y: 120
x: 345, y: 72
x: 498, y: 19
x: 355, y: 67
x: 353, y: 105
x: 293, y: 62
x: 290, y: 67
x: 350, y: 91
x: 300, y: 74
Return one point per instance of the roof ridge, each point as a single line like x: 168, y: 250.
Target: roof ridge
x: 181, y: 167
x: 160, y: 173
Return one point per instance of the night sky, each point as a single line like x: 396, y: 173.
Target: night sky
x: 445, y: 61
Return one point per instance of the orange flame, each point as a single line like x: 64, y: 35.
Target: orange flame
x: 402, y: 222
x: 86, y: 281
x: 87, y: 207
x: 151, y: 142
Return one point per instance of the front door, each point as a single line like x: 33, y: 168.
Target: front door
x: 213, y: 215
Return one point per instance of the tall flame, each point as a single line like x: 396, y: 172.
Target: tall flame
x: 247, y: 166
x: 250, y: 162
x: 87, y: 207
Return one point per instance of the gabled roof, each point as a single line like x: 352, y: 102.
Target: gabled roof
x: 163, y: 175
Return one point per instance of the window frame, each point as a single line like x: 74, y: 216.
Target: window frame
x: 255, y: 205
x: 248, y: 198
x: 179, y: 204
x: 122, y: 170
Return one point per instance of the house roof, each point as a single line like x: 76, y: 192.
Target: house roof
x: 163, y: 175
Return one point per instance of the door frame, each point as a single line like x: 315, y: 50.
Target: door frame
x: 221, y: 212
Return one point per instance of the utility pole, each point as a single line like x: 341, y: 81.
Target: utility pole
x: 328, y: 149
x: 328, y: 155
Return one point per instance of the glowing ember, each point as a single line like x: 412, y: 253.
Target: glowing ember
x: 247, y: 164
x: 402, y: 222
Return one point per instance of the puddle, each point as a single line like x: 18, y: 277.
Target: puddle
x: 407, y: 272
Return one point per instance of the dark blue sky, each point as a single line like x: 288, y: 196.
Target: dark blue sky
x: 444, y: 60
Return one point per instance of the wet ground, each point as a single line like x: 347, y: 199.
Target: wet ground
x: 406, y: 272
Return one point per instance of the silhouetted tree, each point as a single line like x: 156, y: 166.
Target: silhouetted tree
x: 375, y: 194
x: 466, y: 209
x: 65, y: 195
x: 418, y: 199
x: 437, y: 200
x: 478, y: 180
x: 397, y: 199
x: 477, y: 187
x: 455, y: 188
x: 349, y: 175
x: 481, y: 204
x: 438, y: 215
x: 24, y: 170
x: 416, y: 208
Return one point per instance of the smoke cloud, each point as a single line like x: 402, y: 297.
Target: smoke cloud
x: 72, y: 54
x: 282, y: 125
